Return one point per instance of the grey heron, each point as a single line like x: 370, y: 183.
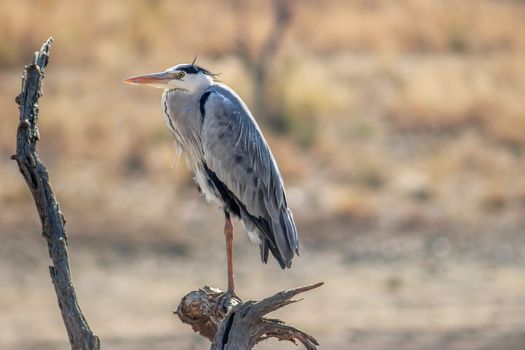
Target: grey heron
x: 231, y: 161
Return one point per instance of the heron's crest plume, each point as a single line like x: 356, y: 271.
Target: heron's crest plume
x: 192, y: 68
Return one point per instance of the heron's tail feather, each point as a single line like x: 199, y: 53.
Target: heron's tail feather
x: 285, y: 235
x: 276, y: 236
x: 266, y: 247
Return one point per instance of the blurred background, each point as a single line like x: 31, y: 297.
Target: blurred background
x: 399, y: 128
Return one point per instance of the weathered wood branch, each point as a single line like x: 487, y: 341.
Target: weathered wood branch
x: 244, y: 324
x: 36, y: 176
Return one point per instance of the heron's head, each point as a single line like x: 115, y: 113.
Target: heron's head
x: 185, y: 77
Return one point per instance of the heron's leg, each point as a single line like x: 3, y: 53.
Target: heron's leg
x: 223, y: 303
x: 228, y: 232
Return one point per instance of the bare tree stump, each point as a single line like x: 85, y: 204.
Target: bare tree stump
x: 35, y: 174
x: 244, y: 324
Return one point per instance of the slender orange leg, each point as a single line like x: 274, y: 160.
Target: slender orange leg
x: 228, y: 232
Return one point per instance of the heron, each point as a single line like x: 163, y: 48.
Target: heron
x: 230, y: 158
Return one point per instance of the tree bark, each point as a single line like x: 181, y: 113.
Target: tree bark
x: 242, y: 325
x: 35, y: 174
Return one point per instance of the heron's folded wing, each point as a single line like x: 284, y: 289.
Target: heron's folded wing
x: 235, y: 150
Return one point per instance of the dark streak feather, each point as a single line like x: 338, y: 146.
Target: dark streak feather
x: 202, y: 102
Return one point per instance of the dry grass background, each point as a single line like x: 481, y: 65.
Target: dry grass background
x: 403, y: 158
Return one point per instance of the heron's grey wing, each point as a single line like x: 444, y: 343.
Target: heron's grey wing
x: 236, y: 152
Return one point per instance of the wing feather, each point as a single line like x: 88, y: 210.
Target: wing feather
x: 236, y: 151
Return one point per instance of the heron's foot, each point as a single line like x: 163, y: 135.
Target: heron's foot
x: 225, y: 302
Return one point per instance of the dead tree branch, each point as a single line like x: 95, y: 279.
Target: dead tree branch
x: 35, y: 174
x: 259, y: 62
x: 244, y: 325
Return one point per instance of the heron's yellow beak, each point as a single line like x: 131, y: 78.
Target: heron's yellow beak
x: 154, y: 79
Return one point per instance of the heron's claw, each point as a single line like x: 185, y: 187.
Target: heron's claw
x: 225, y: 302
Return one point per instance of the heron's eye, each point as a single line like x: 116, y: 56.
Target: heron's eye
x: 179, y: 74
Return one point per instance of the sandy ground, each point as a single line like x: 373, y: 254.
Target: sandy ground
x: 407, y: 292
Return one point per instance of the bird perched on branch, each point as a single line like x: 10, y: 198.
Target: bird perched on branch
x: 230, y: 158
